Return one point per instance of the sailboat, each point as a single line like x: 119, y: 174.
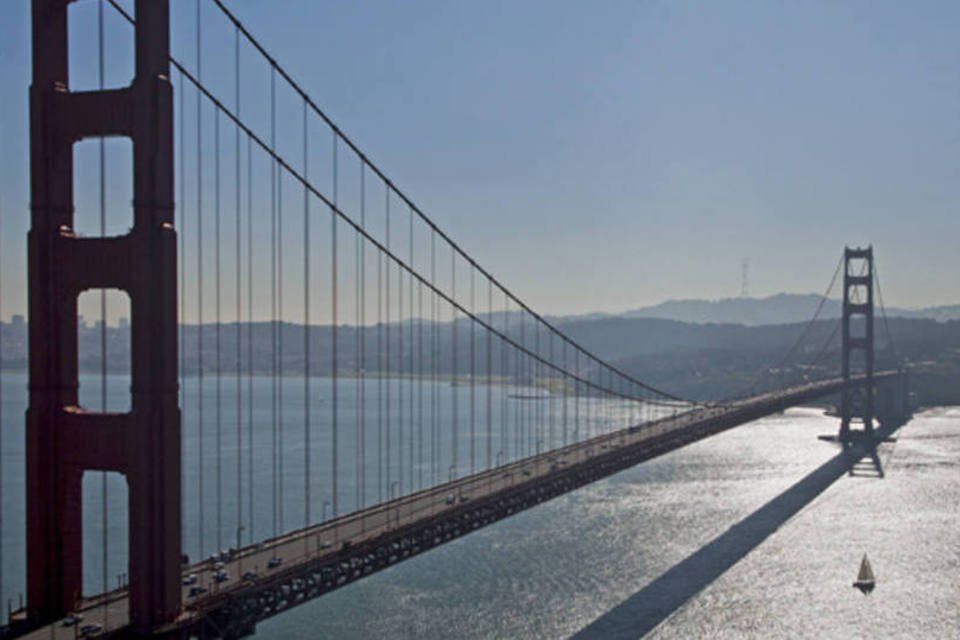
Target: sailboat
x: 865, y: 580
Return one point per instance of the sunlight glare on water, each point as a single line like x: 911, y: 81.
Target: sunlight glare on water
x: 548, y: 572
x: 551, y: 571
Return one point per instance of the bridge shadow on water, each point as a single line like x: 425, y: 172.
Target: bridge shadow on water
x: 643, y: 611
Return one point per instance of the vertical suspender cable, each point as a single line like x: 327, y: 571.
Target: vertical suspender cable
x: 280, y: 384
x: 250, y: 521
x: 103, y: 319
x: 576, y: 398
x: 333, y: 323
x: 611, y: 398
x: 238, y: 284
x: 539, y: 382
x: 504, y: 388
x: 552, y: 391
x: 521, y: 434
x: 883, y: 313
x: 588, y: 407
x: 2, y: 619
x: 182, y: 224
x: 489, y: 380
x: 412, y: 380
x: 513, y: 365
x: 604, y: 417
x: 216, y: 187
x: 528, y: 409
x: 306, y: 325
x: 379, y: 375
x: 453, y: 385
x: 619, y: 409
x: 200, y: 460
x: 399, y: 376
x: 538, y: 406
x: 601, y: 416
x: 273, y: 297
x: 566, y: 394
x: 607, y: 397
x: 604, y: 413
x: 386, y: 273
x: 546, y: 380
x: 433, y: 358
x: 473, y: 372
x: 358, y: 368
x: 614, y: 388
x: 513, y: 381
x: 420, y: 374
x: 362, y: 406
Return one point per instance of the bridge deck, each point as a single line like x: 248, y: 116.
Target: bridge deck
x: 321, y: 558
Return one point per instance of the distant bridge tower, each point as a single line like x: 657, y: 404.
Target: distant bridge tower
x: 857, y: 404
x: 63, y: 439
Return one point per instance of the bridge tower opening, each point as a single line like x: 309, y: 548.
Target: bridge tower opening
x: 857, y: 402
x: 63, y: 438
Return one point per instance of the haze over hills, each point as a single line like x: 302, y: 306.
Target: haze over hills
x: 782, y: 308
x: 694, y: 360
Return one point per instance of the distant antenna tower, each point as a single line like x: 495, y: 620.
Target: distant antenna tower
x: 744, y: 278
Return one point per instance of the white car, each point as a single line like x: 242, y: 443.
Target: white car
x: 72, y: 619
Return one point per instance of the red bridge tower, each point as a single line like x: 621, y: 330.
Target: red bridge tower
x: 63, y: 439
x: 857, y: 404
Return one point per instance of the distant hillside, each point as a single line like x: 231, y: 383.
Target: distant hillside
x: 693, y: 360
x: 713, y: 361
x: 783, y: 308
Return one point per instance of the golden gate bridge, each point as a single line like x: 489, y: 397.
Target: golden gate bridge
x: 368, y: 389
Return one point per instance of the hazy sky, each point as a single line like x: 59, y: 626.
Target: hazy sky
x: 608, y: 155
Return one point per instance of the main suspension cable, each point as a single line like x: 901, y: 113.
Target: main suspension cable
x: 800, y: 338
x: 275, y: 66
x: 883, y: 313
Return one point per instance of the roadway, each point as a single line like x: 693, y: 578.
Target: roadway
x: 317, y: 542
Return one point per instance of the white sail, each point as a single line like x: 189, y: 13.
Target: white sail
x: 866, y: 571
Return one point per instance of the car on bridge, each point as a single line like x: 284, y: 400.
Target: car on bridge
x: 71, y: 619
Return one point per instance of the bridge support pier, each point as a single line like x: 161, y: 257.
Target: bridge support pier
x: 64, y: 439
x: 894, y: 406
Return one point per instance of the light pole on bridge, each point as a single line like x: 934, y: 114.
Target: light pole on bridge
x: 394, y: 490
